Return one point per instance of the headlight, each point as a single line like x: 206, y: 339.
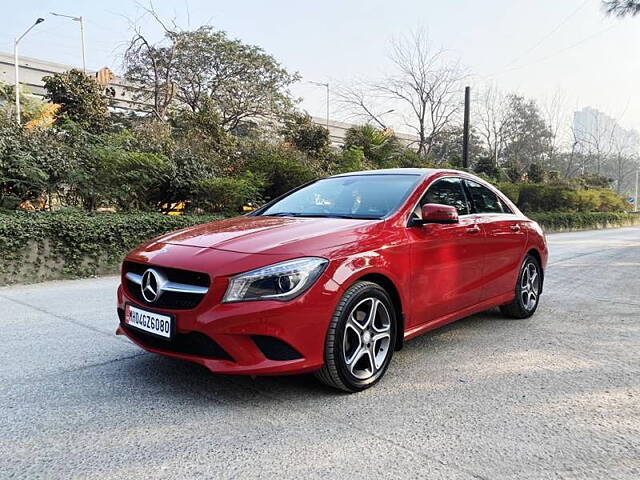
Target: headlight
x: 280, y: 281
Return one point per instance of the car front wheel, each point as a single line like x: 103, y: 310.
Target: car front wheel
x: 360, y: 340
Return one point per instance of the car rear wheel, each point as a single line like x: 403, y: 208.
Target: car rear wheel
x: 528, y: 290
x: 360, y: 340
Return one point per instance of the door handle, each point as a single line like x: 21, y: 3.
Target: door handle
x: 474, y: 229
x: 515, y: 228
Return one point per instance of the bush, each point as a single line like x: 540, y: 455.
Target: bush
x: 381, y: 148
x: 133, y: 180
x: 554, y: 221
x: 351, y: 160
x: 43, y: 246
x: 511, y: 190
x: 541, y: 198
x: 227, y: 195
x: 535, y: 197
x: 277, y: 168
x: 33, y: 163
x: 306, y: 136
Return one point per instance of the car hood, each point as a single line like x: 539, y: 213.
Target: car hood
x: 273, y: 235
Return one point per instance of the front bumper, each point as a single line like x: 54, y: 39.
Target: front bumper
x: 245, y: 338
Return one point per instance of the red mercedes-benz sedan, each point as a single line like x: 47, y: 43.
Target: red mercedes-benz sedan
x: 333, y: 276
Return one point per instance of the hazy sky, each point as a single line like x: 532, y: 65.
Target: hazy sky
x: 534, y: 47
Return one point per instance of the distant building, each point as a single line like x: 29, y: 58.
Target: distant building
x: 595, y: 131
x: 32, y: 70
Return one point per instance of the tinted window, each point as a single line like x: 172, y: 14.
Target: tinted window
x: 484, y: 200
x: 354, y: 196
x: 448, y: 191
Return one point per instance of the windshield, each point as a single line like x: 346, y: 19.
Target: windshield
x: 355, y: 196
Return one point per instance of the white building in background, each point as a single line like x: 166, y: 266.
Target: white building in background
x: 595, y: 131
x: 32, y: 70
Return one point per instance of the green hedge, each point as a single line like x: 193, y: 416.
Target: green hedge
x: 537, y: 197
x: 558, y: 221
x: 44, y: 246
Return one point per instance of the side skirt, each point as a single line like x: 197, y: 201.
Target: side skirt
x: 452, y: 317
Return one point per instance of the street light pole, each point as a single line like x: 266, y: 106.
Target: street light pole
x: 84, y: 58
x: 17, y: 67
x: 81, y: 20
x: 326, y: 85
x: 377, y: 118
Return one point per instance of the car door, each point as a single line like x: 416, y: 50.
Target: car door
x: 505, y: 240
x: 447, y: 259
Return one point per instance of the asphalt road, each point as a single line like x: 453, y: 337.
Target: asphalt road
x: 556, y: 396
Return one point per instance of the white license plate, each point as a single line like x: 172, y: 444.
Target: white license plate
x: 151, y: 322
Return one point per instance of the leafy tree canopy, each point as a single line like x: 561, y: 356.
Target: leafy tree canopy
x: 81, y: 98
x: 622, y: 8
x: 527, y: 135
x: 204, y: 68
x: 306, y: 136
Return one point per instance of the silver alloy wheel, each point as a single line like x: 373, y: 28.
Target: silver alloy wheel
x: 367, y: 338
x: 529, y: 286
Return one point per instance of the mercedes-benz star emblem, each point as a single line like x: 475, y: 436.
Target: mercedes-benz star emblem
x: 151, y: 286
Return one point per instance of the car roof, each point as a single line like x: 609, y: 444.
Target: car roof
x: 423, y: 172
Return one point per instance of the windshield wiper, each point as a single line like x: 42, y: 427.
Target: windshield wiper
x: 353, y: 216
x: 318, y: 215
x: 293, y: 214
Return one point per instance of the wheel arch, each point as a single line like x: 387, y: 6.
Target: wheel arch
x: 536, y: 254
x: 386, y: 283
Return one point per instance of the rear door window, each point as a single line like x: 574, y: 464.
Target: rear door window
x: 484, y: 200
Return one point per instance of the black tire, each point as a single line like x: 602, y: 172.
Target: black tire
x: 336, y: 372
x: 522, y: 307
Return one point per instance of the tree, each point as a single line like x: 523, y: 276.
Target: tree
x: 31, y: 107
x: 596, y: 140
x: 425, y: 85
x: 80, y: 97
x: 360, y: 101
x: 446, y: 149
x: 305, y: 135
x: 491, y: 125
x: 553, y: 114
x: 535, y: 173
x: 526, y: 135
x: 35, y: 164
x: 622, y: 8
x: 204, y: 69
x: 486, y: 166
x: 624, y: 159
x: 380, y: 148
x: 153, y: 67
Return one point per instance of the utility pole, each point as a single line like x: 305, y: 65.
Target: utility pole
x: 17, y: 67
x: 81, y: 21
x: 635, y: 205
x: 465, y: 130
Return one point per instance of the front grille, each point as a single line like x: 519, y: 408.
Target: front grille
x: 192, y: 343
x: 170, y: 300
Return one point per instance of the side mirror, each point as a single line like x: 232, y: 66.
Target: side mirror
x: 437, y: 213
